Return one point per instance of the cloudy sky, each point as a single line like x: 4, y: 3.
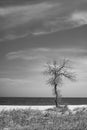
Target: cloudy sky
x: 33, y: 32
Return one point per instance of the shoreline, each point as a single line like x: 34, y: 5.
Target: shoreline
x: 37, y: 107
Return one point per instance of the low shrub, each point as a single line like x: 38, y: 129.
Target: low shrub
x: 28, y: 119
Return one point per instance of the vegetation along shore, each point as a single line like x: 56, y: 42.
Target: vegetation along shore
x: 52, y: 118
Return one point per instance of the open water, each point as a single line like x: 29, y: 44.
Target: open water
x: 40, y: 101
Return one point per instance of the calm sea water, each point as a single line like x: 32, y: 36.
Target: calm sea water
x: 40, y: 101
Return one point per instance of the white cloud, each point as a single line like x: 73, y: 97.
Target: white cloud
x: 22, y: 14
x: 41, y: 53
x: 41, y: 49
x: 40, y: 32
x: 17, y: 17
x: 14, y: 82
x: 20, y: 55
x: 30, y: 54
x: 10, y: 36
x: 78, y: 18
x: 26, y: 9
x: 41, y: 19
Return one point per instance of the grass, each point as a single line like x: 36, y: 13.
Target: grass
x: 52, y: 119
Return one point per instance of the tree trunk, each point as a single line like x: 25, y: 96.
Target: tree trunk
x: 56, y: 94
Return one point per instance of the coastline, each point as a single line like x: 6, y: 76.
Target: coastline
x: 42, y: 108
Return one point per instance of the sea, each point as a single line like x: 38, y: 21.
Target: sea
x: 41, y: 101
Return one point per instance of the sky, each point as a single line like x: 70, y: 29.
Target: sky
x: 33, y: 32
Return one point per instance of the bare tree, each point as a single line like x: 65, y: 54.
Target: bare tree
x: 56, y: 72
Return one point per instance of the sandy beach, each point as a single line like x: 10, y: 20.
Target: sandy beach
x: 11, y: 107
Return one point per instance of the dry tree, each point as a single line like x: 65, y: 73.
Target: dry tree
x: 56, y: 72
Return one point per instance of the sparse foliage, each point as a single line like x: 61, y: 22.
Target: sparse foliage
x: 56, y: 72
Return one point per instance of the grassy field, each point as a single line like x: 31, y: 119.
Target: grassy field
x: 50, y: 119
